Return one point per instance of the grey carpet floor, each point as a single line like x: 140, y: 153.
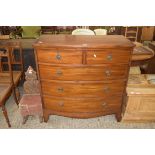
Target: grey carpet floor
x: 59, y: 122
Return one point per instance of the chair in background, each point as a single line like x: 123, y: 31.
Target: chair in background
x: 131, y: 32
x: 10, y: 60
x: 7, y: 88
x: 31, y: 31
x: 100, y: 31
x: 83, y: 32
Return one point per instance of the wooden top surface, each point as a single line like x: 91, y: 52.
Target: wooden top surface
x: 16, y: 43
x: 142, y: 53
x: 143, y: 50
x: 9, y: 43
x: 89, y: 41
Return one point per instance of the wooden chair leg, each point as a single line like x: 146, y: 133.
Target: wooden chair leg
x: 15, y: 97
x: 17, y: 93
x: 6, y: 115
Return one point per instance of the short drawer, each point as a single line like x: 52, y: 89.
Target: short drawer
x: 106, y: 72
x: 59, y: 56
x: 82, y: 105
x: 108, y: 56
x: 78, y: 89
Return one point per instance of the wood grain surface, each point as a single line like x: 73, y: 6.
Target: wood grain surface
x: 83, y: 76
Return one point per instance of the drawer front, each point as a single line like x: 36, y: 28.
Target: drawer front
x: 59, y: 56
x: 108, y: 56
x: 69, y: 89
x: 106, y: 72
x: 82, y: 105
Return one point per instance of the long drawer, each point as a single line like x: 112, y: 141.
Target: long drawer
x: 106, y: 72
x: 78, y: 89
x: 54, y: 56
x: 108, y: 56
x: 82, y: 104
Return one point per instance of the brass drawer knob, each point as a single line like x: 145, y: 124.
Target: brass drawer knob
x: 109, y: 57
x: 58, y: 56
x: 106, y: 89
x: 61, y: 104
x: 60, y: 90
x: 104, y: 104
x: 59, y: 72
x: 108, y: 72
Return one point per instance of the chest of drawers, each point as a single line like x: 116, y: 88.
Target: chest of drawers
x: 83, y: 76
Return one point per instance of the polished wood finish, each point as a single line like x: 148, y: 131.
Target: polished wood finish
x: 60, y: 57
x: 82, y: 89
x: 83, y: 42
x: 82, y: 104
x: 142, y: 53
x: 108, y: 56
x: 92, y: 73
x: 80, y: 74
x: 28, y: 52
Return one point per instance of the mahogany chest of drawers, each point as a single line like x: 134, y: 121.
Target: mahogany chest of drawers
x: 83, y: 76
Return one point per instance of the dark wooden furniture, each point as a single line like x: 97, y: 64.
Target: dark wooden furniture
x: 27, y: 53
x: 141, y: 55
x: 16, y: 54
x: 80, y: 74
x: 7, y: 85
x: 151, y: 64
x: 14, y: 48
x: 29, y: 58
x: 10, y: 59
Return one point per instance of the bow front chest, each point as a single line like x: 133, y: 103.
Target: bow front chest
x: 83, y: 76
